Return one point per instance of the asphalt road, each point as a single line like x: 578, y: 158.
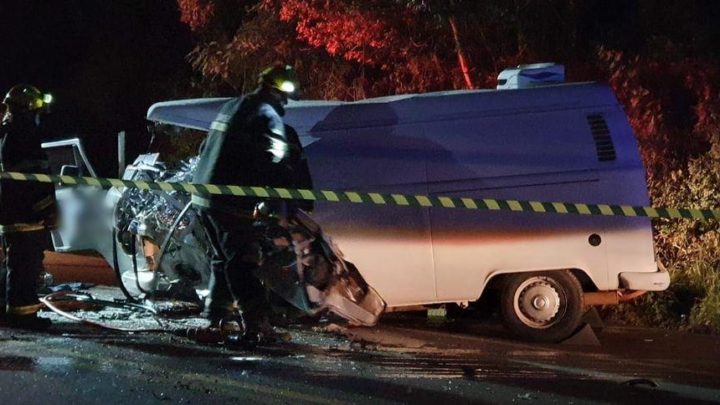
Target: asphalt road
x: 405, y: 359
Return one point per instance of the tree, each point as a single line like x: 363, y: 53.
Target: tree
x: 370, y: 47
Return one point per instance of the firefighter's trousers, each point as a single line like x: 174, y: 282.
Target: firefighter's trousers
x: 235, y: 256
x: 20, y: 271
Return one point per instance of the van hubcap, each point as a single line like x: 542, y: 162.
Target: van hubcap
x: 539, y: 302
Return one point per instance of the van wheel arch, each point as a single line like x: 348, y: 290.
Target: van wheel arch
x: 587, y: 283
x: 498, y: 280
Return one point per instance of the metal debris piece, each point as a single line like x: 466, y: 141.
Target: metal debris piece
x: 526, y: 396
x: 641, y: 382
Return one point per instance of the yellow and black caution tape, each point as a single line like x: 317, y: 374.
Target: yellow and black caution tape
x: 403, y: 200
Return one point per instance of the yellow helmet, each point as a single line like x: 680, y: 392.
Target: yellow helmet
x: 280, y: 77
x: 28, y: 98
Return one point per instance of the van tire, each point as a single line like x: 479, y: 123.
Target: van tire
x: 551, y: 313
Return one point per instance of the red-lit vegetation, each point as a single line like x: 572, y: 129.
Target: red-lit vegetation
x: 196, y: 13
x: 661, y: 60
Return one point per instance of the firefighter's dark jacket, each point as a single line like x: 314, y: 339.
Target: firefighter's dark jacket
x: 24, y: 206
x: 249, y: 145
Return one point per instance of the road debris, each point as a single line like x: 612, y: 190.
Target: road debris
x: 331, y: 328
x: 641, y: 382
x: 526, y: 396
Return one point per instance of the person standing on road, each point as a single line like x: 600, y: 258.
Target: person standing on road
x: 247, y: 145
x: 27, y: 209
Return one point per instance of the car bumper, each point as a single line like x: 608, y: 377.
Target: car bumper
x: 653, y: 281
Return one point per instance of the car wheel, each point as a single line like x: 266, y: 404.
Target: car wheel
x: 542, y: 306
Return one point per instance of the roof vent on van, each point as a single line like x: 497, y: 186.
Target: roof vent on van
x: 533, y: 75
x: 601, y: 135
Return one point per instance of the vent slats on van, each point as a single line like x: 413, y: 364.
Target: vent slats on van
x: 601, y: 134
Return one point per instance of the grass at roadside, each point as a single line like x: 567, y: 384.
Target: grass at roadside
x: 689, y: 249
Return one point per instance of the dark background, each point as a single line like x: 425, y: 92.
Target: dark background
x: 105, y: 62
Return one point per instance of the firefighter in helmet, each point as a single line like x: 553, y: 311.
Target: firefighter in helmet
x: 27, y: 209
x: 248, y: 144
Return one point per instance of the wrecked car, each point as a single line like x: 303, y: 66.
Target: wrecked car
x: 533, y: 138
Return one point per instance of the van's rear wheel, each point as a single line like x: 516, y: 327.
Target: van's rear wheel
x: 543, y: 306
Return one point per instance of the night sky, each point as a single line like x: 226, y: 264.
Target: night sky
x: 105, y: 62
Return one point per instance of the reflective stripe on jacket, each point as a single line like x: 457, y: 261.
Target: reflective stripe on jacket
x: 22, y: 227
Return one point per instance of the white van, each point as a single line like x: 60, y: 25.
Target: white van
x: 537, y: 141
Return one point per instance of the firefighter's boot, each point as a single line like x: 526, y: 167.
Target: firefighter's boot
x: 22, y: 267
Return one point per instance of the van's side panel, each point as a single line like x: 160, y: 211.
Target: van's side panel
x: 533, y: 144
x: 390, y: 245
x: 536, y: 155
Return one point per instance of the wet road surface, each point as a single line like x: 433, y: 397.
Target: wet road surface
x: 405, y: 359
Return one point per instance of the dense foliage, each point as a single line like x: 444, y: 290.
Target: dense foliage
x: 659, y: 56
